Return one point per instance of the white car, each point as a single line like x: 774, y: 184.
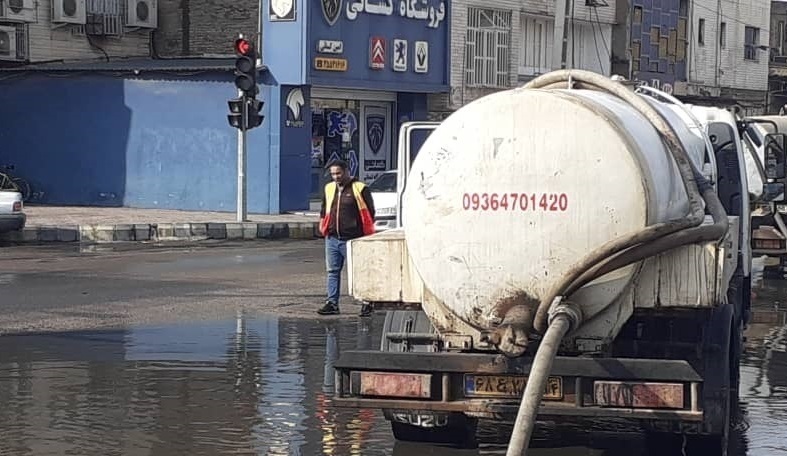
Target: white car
x: 12, y: 216
x: 383, y: 191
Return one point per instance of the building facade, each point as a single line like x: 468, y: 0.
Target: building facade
x: 47, y: 30
x: 728, y: 54
x: 658, y: 42
x: 347, y: 74
x: 777, y: 71
x: 500, y: 44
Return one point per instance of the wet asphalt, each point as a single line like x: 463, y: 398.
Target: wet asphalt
x: 215, y: 350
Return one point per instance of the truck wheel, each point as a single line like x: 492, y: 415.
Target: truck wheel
x: 719, y: 370
x: 459, y: 430
x: 459, y: 433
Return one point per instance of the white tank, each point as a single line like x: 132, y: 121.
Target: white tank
x: 513, y: 189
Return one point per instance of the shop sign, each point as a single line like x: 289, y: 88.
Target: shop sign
x: 331, y: 9
x: 295, y: 102
x: 330, y: 47
x: 421, y: 64
x: 330, y: 64
x: 399, y: 55
x: 412, y: 9
x: 377, y: 53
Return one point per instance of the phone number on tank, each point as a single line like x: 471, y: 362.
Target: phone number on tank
x: 546, y: 202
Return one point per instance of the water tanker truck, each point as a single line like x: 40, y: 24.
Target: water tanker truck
x: 573, y: 250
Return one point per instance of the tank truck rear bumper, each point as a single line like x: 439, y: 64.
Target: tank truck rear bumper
x: 489, y: 386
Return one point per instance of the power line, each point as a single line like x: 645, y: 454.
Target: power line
x: 722, y: 15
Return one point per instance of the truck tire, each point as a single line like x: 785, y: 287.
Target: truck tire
x: 721, y: 355
x: 460, y: 430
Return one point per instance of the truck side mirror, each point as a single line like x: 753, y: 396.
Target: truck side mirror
x: 775, y: 156
x: 775, y: 164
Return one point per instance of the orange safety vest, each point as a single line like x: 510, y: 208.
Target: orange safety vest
x: 367, y: 223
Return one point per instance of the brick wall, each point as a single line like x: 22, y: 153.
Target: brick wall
x: 69, y: 42
x: 203, y: 27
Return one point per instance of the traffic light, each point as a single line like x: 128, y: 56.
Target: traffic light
x: 246, y: 66
x: 253, y: 109
x: 254, y: 117
x: 235, y: 116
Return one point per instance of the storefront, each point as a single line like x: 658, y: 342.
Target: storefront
x: 365, y: 67
x: 354, y: 126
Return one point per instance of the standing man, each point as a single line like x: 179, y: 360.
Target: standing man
x: 347, y: 213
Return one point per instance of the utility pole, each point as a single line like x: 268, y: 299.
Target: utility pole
x: 242, y: 209
x: 560, y: 50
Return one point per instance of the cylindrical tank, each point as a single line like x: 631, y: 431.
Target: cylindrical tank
x: 514, y: 188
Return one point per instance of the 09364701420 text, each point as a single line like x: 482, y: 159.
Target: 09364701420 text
x: 513, y: 201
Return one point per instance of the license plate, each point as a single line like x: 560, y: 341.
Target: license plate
x: 509, y: 386
x: 638, y: 395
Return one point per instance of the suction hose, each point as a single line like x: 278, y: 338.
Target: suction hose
x: 564, y: 318
x: 554, y: 319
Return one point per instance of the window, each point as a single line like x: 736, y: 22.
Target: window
x: 683, y: 8
x: 635, y: 55
x: 701, y: 32
x: 104, y: 17
x: 535, y: 51
x: 637, y: 14
x: 723, y: 35
x: 781, y: 37
x: 683, y: 42
x: 751, y: 41
x: 488, y: 48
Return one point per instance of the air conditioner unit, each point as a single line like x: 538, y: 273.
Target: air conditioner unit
x: 18, y: 10
x: 8, y: 43
x: 68, y: 12
x: 142, y: 13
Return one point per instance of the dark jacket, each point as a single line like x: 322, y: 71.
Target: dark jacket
x: 349, y: 215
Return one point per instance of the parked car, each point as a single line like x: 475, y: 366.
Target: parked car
x: 12, y: 216
x: 384, y: 196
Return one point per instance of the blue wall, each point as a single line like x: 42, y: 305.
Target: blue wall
x: 284, y: 45
x: 355, y: 27
x: 113, y: 141
x: 665, y: 15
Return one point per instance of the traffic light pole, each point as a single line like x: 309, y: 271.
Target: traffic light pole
x: 242, y: 212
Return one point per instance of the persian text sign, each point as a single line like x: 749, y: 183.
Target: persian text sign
x: 413, y: 9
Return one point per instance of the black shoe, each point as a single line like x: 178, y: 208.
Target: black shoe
x: 366, y: 310
x: 329, y: 309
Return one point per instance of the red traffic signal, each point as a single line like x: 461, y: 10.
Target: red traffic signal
x: 244, y: 46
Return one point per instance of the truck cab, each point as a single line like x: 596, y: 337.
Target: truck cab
x: 763, y: 139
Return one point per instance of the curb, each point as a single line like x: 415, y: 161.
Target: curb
x: 155, y: 232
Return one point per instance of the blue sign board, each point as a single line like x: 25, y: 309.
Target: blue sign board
x: 397, y: 45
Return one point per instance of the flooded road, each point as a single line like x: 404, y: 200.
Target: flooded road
x: 251, y: 384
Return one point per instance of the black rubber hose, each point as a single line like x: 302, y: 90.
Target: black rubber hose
x: 704, y: 233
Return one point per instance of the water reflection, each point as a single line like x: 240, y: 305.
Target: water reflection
x: 263, y: 386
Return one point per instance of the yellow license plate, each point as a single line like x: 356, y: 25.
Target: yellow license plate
x: 508, y: 386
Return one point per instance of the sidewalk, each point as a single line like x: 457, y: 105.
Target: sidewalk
x: 120, y: 224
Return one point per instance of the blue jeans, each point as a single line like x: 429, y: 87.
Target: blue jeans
x: 335, y: 254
